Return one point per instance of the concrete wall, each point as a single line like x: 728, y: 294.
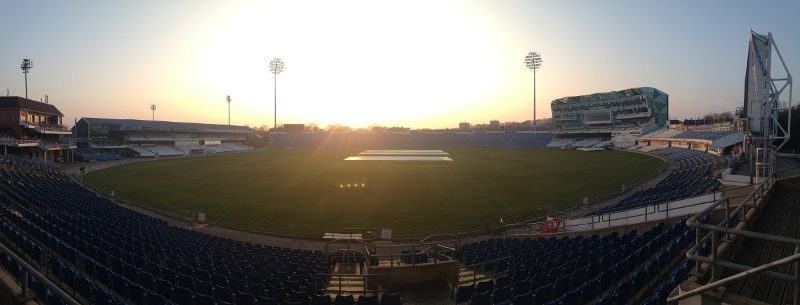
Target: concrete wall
x: 664, y: 211
x: 422, y: 273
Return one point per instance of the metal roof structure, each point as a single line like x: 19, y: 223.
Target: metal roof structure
x: 165, y: 126
x: 16, y: 102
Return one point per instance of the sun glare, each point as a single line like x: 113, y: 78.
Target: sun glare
x: 398, y: 65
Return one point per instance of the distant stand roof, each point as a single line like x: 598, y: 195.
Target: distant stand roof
x: 147, y: 125
x: 16, y: 102
x: 603, y: 96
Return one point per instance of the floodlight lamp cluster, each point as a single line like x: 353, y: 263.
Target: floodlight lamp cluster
x: 533, y: 61
x: 26, y: 65
x: 276, y: 66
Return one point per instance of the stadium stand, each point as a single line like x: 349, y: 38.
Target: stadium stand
x: 142, y: 151
x: 664, y: 133
x: 784, y: 205
x: 88, y: 154
x: 411, y: 139
x: 164, y: 150
x: 612, y: 269
x: 14, y: 160
x: 106, y: 254
x: 561, y: 143
x: 692, y: 176
x: 529, y: 139
x: 585, y: 143
x: 706, y: 135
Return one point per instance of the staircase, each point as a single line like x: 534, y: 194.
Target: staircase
x: 346, y: 279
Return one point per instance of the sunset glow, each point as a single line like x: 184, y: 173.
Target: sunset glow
x: 414, y: 64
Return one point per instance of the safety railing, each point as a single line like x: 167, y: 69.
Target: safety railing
x: 487, y: 270
x: 725, y: 233
x: 432, y: 252
x: 29, y: 272
x: 661, y: 211
x: 342, y: 283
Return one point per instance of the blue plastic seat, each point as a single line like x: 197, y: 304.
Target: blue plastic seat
x: 183, y: 295
x: 164, y: 288
x: 156, y: 299
x: 344, y: 300
x: 481, y: 299
x: 542, y: 294
x: 522, y: 299
x: 367, y: 300
x: 521, y: 287
x: 464, y: 293
x: 202, y: 299
x: 501, y: 295
x: 484, y: 287
x: 322, y: 299
x: 390, y: 299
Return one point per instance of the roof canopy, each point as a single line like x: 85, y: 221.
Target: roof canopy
x: 146, y: 125
x: 604, y: 96
x: 16, y: 102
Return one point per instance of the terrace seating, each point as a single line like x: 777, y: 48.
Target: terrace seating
x: 88, y: 154
x: 573, y: 270
x: 165, y: 150
x: 704, y: 134
x: 142, y: 151
x: 410, y: 139
x: 14, y: 160
x: 692, y: 177
x: 111, y: 255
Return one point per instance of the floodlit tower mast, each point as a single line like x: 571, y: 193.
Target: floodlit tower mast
x: 228, y: 99
x: 276, y: 67
x: 26, y: 66
x: 153, y: 108
x: 768, y: 93
x: 534, y: 61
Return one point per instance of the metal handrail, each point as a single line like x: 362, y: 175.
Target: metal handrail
x: 713, y: 259
x: 364, y: 277
x: 474, y: 280
x: 31, y: 271
x: 609, y: 217
x: 439, y: 250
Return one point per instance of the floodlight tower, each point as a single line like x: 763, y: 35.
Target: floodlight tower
x: 26, y: 66
x: 153, y: 108
x: 228, y: 99
x: 534, y: 61
x: 766, y: 91
x: 276, y: 67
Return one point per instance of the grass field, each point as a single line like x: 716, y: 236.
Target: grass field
x: 308, y: 187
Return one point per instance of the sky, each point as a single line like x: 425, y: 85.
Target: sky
x: 419, y: 64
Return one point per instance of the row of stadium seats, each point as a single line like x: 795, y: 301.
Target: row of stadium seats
x: 425, y: 139
x: 569, y: 270
x: 88, y: 154
x: 695, y: 134
x: 107, y: 254
x: 13, y: 160
x: 704, y: 135
x: 693, y: 176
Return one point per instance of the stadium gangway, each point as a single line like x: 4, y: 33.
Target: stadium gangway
x: 28, y: 272
x: 490, y: 274
x: 722, y: 238
x: 343, y: 277
x: 438, y: 251
x: 350, y: 247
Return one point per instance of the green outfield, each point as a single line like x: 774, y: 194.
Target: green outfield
x: 305, y: 191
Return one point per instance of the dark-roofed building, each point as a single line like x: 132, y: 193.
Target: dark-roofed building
x: 33, y: 129
x: 146, y: 138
